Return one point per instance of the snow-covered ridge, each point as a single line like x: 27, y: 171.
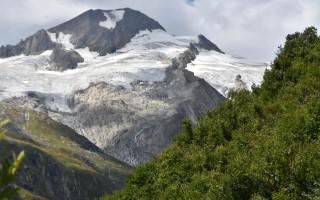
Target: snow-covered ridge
x: 221, y: 70
x: 112, y: 18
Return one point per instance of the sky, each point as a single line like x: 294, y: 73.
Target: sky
x: 249, y: 28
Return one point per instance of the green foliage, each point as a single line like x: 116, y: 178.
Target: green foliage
x: 8, y: 170
x: 259, y: 145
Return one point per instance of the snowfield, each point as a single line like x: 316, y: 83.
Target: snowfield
x: 145, y: 58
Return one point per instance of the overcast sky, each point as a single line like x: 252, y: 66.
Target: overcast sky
x: 248, y: 28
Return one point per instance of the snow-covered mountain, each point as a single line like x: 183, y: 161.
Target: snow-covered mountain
x: 119, y: 79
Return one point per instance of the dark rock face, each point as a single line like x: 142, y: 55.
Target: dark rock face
x: 86, y: 31
x: 33, y: 45
x: 6, y: 51
x: 206, y: 44
x: 62, y: 59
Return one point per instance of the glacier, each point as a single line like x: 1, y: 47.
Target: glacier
x: 145, y: 58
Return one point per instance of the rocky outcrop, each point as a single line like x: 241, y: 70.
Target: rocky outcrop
x: 186, y: 57
x: 33, y: 45
x: 62, y: 59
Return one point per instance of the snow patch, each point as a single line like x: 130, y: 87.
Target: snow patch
x: 156, y: 41
x: 87, y: 55
x: 61, y: 38
x: 112, y: 18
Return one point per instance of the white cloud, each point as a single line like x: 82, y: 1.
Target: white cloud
x: 249, y: 28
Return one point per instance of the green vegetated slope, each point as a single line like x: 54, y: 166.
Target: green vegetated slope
x: 59, y: 163
x: 258, y: 145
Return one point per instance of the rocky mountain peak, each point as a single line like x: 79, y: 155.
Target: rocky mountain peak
x: 102, y: 31
x: 105, y: 31
x: 206, y: 44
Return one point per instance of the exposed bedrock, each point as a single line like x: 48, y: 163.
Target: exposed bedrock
x: 33, y: 45
x: 135, y: 124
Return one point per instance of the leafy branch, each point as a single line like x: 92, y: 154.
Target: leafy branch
x: 8, y: 170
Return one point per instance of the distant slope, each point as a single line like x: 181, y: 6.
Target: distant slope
x: 59, y: 163
x: 263, y: 144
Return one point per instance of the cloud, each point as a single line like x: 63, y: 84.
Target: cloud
x: 249, y: 28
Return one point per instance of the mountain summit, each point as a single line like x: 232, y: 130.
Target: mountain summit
x: 105, y: 31
x: 102, y: 31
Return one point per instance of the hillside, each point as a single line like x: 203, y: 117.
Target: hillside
x: 59, y: 163
x: 262, y: 144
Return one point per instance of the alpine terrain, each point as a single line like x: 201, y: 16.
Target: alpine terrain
x: 103, y: 92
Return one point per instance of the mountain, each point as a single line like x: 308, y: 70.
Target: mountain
x: 105, y: 31
x: 119, y: 80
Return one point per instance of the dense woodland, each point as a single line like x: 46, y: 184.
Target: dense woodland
x: 262, y: 144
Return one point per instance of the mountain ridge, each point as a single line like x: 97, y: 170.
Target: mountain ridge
x: 104, y: 97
